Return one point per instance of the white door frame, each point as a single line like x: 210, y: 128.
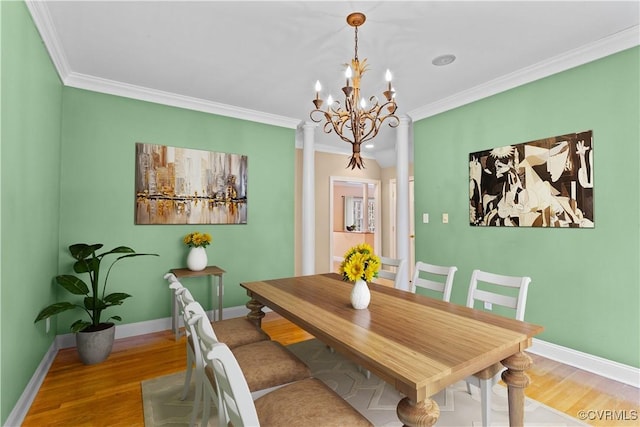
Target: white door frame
x: 376, y: 196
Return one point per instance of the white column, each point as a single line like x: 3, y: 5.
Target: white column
x: 308, y: 200
x: 402, y: 199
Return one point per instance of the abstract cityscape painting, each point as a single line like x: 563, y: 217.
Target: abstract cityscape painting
x: 186, y: 186
x: 543, y: 183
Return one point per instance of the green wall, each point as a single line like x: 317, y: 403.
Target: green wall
x: 99, y: 133
x: 29, y: 176
x: 585, y: 283
x: 67, y: 176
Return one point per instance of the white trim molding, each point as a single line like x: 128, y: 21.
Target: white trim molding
x: 600, y: 366
x: 111, y: 87
x: 591, y: 52
x: 21, y: 408
x: 44, y: 24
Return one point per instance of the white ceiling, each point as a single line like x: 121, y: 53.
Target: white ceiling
x: 260, y: 60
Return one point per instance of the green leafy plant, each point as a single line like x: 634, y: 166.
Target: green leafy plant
x: 95, y: 302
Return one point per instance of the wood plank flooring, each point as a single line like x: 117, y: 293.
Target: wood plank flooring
x: 109, y: 394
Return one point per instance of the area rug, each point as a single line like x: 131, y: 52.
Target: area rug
x: 372, y: 397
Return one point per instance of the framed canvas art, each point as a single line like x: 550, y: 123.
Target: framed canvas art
x: 543, y: 183
x: 186, y: 186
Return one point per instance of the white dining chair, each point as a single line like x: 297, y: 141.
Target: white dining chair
x: 308, y: 401
x: 434, y: 277
x: 391, y: 269
x: 234, y: 332
x: 267, y: 365
x: 485, y: 299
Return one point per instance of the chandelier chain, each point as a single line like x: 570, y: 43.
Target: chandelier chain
x: 356, y: 39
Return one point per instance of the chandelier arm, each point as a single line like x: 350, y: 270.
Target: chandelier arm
x: 338, y: 127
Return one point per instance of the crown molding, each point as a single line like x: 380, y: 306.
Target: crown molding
x: 40, y: 14
x: 44, y: 24
x: 607, y: 46
x: 83, y: 81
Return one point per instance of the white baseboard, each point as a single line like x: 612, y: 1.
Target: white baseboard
x: 150, y: 326
x: 594, y: 364
x: 606, y: 368
x: 19, y: 411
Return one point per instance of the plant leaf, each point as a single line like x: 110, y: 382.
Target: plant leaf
x: 116, y: 298
x: 134, y: 255
x: 118, y: 318
x: 87, y: 265
x: 79, y: 325
x: 82, y: 250
x: 99, y: 304
x: 118, y: 250
x: 72, y: 284
x: 54, y: 309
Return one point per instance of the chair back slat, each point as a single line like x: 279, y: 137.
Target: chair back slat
x: 518, y: 282
x: 204, y: 329
x: 232, y: 387
x: 445, y: 273
x: 395, y: 275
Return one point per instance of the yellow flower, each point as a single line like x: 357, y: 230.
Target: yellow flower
x: 360, y: 263
x: 354, y: 267
x: 373, y: 265
x: 197, y: 239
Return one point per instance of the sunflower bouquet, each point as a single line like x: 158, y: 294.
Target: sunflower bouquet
x: 197, y: 239
x: 360, y: 263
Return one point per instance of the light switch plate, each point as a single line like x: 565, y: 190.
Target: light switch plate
x: 425, y: 218
x: 445, y: 218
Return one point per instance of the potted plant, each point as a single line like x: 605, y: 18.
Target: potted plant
x: 94, y: 338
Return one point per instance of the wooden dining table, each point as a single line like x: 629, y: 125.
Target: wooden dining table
x: 418, y: 344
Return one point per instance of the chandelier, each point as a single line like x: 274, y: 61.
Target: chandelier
x: 357, y: 120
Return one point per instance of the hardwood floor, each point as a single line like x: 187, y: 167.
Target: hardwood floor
x: 109, y: 394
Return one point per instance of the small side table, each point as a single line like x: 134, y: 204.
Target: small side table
x: 181, y: 273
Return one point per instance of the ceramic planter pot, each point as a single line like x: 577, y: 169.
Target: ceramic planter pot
x: 95, y: 346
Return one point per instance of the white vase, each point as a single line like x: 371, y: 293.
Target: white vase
x: 360, y: 295
x: 197, y: 259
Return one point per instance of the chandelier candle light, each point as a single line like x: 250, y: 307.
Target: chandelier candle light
x: 357, y: 121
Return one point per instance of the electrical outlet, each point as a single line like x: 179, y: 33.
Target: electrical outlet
x: 445, y: 218
x: 47, y: 325
x: 425, y: 218
x: 488, y: 305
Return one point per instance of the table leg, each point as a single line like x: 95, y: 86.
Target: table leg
x: 213, y: 297
x: 174, y: 316
x: 220, y: 294
x: 255, y: 312
x: 421, y: 414
x: 517, y: 380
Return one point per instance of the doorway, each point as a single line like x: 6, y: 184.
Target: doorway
x: 355, y: 218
